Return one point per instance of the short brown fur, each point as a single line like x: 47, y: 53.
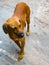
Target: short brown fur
x: 17, y: 22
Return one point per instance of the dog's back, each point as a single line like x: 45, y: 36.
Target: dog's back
x: 22, y: 10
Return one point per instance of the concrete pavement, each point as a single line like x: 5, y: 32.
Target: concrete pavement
x: 37, y: 44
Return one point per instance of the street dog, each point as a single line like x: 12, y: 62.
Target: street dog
x: 14, y: 26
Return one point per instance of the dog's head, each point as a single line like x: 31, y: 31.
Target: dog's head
x: 14, y: 25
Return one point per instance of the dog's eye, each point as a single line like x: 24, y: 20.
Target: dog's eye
x: 15, y: 28
x: 19, y: 26
x: 20, y: 21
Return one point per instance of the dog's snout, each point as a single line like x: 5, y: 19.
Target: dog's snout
x: 21, y: 34
x: 5, y: 28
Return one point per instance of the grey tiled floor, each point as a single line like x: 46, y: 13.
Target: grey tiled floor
x: 37, y: 44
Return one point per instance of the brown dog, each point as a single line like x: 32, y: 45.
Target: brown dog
x: 14, y: 26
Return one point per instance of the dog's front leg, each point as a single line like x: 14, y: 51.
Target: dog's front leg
x: 28, y: 29
x: 18, y: 43
x: 21, y: 54
x: 28, y: 26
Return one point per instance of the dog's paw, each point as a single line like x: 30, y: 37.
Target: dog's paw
x: 20, y: 57
x: 27, y: 33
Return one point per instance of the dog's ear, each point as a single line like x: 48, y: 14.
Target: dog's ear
x: 5, y: 28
